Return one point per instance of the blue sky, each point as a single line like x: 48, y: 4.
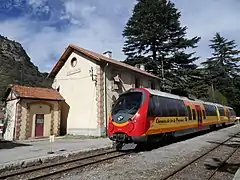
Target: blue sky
x: 46, y: 27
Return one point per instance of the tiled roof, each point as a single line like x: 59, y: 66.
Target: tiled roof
x: 36, y: 92
x: 94, y: 56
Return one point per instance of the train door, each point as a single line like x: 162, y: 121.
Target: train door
x: 39, y: 125
x: 199, y: 115
x: 228, y: 114
x: 218, y: 114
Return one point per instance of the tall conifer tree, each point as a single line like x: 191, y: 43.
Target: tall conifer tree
x: 223, y: 66
x: 154, y: 37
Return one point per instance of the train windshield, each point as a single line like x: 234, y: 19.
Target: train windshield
x: 128, y: 103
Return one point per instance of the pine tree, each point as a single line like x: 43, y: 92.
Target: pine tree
x: 236, y: 95
x: 197, y: 85
x: 222, y: 67
x: 155, y: 38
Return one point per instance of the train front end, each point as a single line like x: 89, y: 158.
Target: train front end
x: 127, y: 121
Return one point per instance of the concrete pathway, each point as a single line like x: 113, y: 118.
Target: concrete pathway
x: 28, y: 151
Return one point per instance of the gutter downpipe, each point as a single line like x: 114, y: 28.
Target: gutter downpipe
x: 105, y: 99
x: 15, y: 119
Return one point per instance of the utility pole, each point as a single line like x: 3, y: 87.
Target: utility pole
x: 162, y: 69
x: 213, y: 93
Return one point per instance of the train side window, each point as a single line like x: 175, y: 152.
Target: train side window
x: 210, y: 110
x: 171, y: 106
x: 181, y: 108
x: 189, y: 113
x: 204, y: 115
x: 194, y: 114
x: 207, y: 110
x: 163, y: 106
x: 157, y: 106
x: 221, y: 111
x: 155, y: 111
x: 214, y: 111
x: 232, y: 112
x: 151, y: 107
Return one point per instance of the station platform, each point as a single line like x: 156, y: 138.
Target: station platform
x: 22, y: 153
x: 237, y: 175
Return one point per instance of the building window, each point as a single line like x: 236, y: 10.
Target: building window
x: 58, y: 89
x: 117, y: 83
x: 73, y: 62
x: 137, y: 83
x: 152, y: 85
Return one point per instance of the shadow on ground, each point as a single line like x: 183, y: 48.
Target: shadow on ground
x: 232, y: 144
x: 145, y: 148
x: 10, y: 144
x: 230, y: 168
x: 177, y: 139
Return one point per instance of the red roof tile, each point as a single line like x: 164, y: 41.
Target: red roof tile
x: 94, y: 56
x: 36, y: 92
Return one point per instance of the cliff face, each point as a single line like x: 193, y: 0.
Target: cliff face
x: 17, y: 68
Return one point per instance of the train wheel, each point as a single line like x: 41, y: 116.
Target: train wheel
x: 117, y: 145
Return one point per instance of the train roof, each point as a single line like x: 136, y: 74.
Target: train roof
x: 169, y: 95
x: 229, y: 107
x: 211, y: 103
x: 165, y: 94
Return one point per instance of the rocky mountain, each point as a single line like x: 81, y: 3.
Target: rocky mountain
x: 17, y: 68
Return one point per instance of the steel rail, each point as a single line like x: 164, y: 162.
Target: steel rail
x: 53, y: 165
x: 199, y: 157
x: 77, y: 166
x: 222, y: 163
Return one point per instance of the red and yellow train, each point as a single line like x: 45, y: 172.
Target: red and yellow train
x: 144, y: 115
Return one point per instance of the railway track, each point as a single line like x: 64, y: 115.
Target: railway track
x: 210, y: 176
x: 45, y: 171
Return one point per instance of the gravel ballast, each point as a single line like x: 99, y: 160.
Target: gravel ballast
x: 205, y: 166
x: 228, y: 170
x: 153, y: 164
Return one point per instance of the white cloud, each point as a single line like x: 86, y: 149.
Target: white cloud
x: 96, y: 33
x: 49, y: 41
x: 204, y: 18
x: 98, y: 25
x: 38, y: 6
x: 85, y: 10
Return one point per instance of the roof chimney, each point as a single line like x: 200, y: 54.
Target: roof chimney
x: 142, y: 67
x: 108, y: 54
x: 137, y: 66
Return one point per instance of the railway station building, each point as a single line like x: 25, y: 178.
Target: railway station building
x: 31, y: 112
x: 90, y: 83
